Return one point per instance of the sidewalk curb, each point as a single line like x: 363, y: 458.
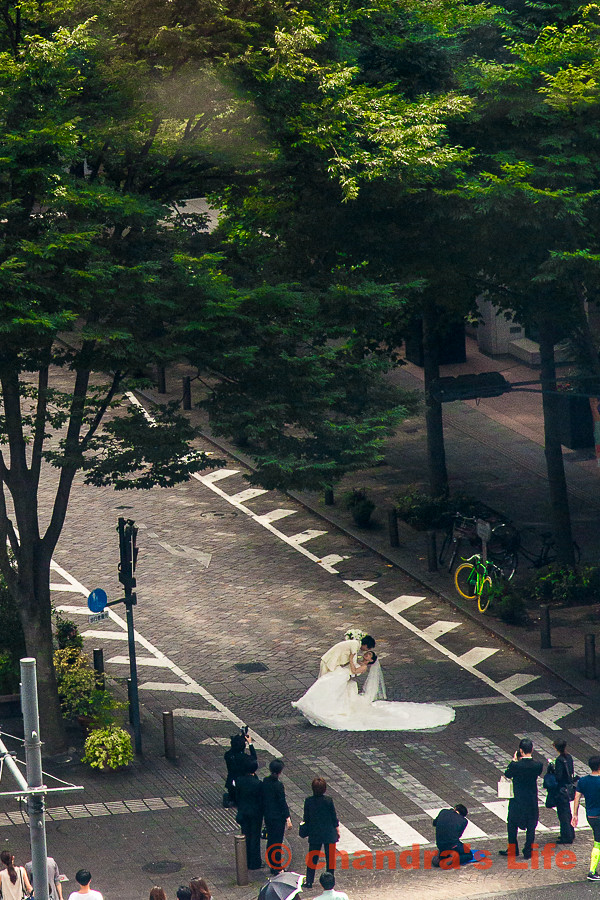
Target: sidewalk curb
x: 496, y: 629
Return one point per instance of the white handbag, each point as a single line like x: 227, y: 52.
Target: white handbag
x: 505, y: 788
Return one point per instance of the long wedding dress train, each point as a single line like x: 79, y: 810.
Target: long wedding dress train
x: 333, y: 701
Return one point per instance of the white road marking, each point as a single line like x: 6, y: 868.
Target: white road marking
x: 471, y: 831
x: 104, y: 635
x: 259, y: 742
x: 401, y: 833
x: 275, y: 514
x: 401, y: 603
x: 64, y: 587
x: 500, y: 809
x: 201, y: 714
x: 188, y: 553
x: 169, y: 686
x: 437, y: 629
x: 514, y: 682
x: 560, y: 710
x: 74, y: 610
x: 349, y: 842
x: 140, y: 660
x: 332, y: 560
x: 359, y: 587
x: 476, y: 655
x: 248, y: 494
x: 303, y: 536
x: 493, y: 701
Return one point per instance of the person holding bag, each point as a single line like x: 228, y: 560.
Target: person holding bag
x: 564, y: 771
x: 14, y: 882
x: 523, y: 810
x: 322, y: 828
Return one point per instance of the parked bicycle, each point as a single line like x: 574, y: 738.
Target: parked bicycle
x: 547, y: 553
x: 474, y: 578
x: 501, y: 548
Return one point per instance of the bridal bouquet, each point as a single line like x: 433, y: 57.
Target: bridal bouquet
x: 355, y: 634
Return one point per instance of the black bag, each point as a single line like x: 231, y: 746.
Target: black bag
x: 303, y: 830
x: 569, y: 790
x: 227, y: 801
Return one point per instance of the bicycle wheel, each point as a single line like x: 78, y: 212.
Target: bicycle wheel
x: 444, y: 548
x: 507, y: 565
x: 483, y: 601
x: 465, y: 581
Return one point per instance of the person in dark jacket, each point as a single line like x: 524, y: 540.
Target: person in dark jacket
x: 236, y: 760
x: 323, y: 829
x: 250, y: 812
x: 276, y: 814
x: 523, y: 808
x: 564, y: 772
x: 449, y: 826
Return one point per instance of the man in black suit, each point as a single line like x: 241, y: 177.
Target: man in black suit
x: 276, y: 814
x: 250, y: 812
x: 449, y: 826
x: 322, y: 828
x: 523, y: 808
x: 236, y: 760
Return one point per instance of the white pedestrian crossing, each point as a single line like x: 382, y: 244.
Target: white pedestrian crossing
x: 437, y: 629
x: 514, y: 682
x: 275, y: 515
x: 248, y: 494
x: 349, y: 842
x: 303, y: 536
x: 405, y: 601
x: 476, y: 655
x: 470, y: 832
x: 400, y: 832
x: 560, y: 710
x: 218, y: 475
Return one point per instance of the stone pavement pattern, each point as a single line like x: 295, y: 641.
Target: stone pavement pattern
x: 261, y: 602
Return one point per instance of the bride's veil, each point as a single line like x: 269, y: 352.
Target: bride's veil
x: 374, y: 688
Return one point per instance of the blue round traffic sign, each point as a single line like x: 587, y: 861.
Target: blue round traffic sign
x: 97, y: 600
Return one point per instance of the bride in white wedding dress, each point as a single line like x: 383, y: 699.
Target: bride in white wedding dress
x: 334, y: 702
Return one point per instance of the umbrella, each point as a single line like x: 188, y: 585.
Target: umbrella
x: 284, y: 886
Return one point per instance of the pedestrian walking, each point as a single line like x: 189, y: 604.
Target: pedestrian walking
x: 276, y: 815
x: 564, y: 772
x: 83, y: 878
x: 236, y: 760
x: 327, y: 882
x: 157, y: 893
x: 589, y: 787
x: 54, y: 878
x: 184, y: 892
x: 322, y: 828
x: 523, y: 811
x: 449, y: 827
x: 14, y: 883
x: 199, y: 889
x: 250, y: 813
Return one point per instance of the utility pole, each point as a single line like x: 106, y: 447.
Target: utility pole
x: 128, y: 558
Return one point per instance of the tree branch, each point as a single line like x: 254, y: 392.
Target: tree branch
x: 40, y: 425
x: 100, y: 412
x: 9, y: 379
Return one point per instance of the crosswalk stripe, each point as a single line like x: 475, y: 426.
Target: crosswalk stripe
x: 275, y: 514
x: 399, y: 778
x: 514, y: 682
x: 490, y: 751
x: 560, y: 710
x: 71, y: 588
x: 471, y: 831
x: 437, y: 629
x: 401, y: 833
x: 74, y: 610
x: 106, y: 635
x: 590, y: 736
x: 500, y: 809
x: 545, y: 747
x: 344, y: 785
x: 458, y: 775
x: 403, y: 602
x: 303, y: 536
x: 476, y: 655
x: 201, y: 714
x: 493, y: 701
x: 141, y: 661
x: 218, y: 475
x: 349, y: 842
x: 248, y: 494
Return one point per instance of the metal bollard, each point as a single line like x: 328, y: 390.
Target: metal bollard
x: 545, y: 636
x: 130, y: 704
x: 169, y: 736
x: 590, y: 656
x: 241, y: 860
x: 432, y: 559
x: 393, y: 527
x: 187, y: 392
x: 328, y: 496
x: 161, y: 380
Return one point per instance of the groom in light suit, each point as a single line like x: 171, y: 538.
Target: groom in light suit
x: 340, y: 653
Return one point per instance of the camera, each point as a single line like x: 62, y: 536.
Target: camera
x: 244, y: 730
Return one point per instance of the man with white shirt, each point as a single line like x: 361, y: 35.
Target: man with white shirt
x: 85, y: 892
x: 327, y: 881
x: 340, y: 653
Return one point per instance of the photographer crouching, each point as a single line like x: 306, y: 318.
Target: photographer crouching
x: 237, y: 760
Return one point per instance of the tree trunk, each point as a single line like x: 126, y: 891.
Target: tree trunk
x: 35, y: 611
x: 557, y: 483
x: 436, y: 453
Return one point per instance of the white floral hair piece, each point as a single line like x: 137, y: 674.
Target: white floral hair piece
x: 355, y: 634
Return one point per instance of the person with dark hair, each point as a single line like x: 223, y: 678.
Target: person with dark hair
x: 322, y: 827
x: 250, y: 812
x: 83, y: 878
x: 564, y: 773
x: 340, y: 653
x: 54, y: 878
x: 199, y: 889
x: 449, y: 826
x: 523, y: 808
x: 276, y: 814
x: 589, y: 787
x: 236, y: 760
x: 14, y: 882
x: 327, y: 882
x: 157, y: 893
x: 183, y: 892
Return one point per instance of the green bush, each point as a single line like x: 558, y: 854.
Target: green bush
x: 566, y: 586
x: 360, y: 506
x: 78, y: 688
x: 67, y: 633
x: 108, y: 748
x: 506, y: 602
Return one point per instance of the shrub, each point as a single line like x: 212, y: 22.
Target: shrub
x: 67, y: 633
x: 360, y: 506
x: 108, y: 748
x: 78, y: 688
x: 507, y: 604
x: 423, y: 511
x: 565, y: 586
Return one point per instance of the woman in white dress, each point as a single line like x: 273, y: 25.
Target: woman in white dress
x: 334, y: 702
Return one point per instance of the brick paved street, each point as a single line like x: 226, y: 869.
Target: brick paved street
x: 277, y: 592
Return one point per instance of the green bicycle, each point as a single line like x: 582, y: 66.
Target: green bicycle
x: 473, y: 578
